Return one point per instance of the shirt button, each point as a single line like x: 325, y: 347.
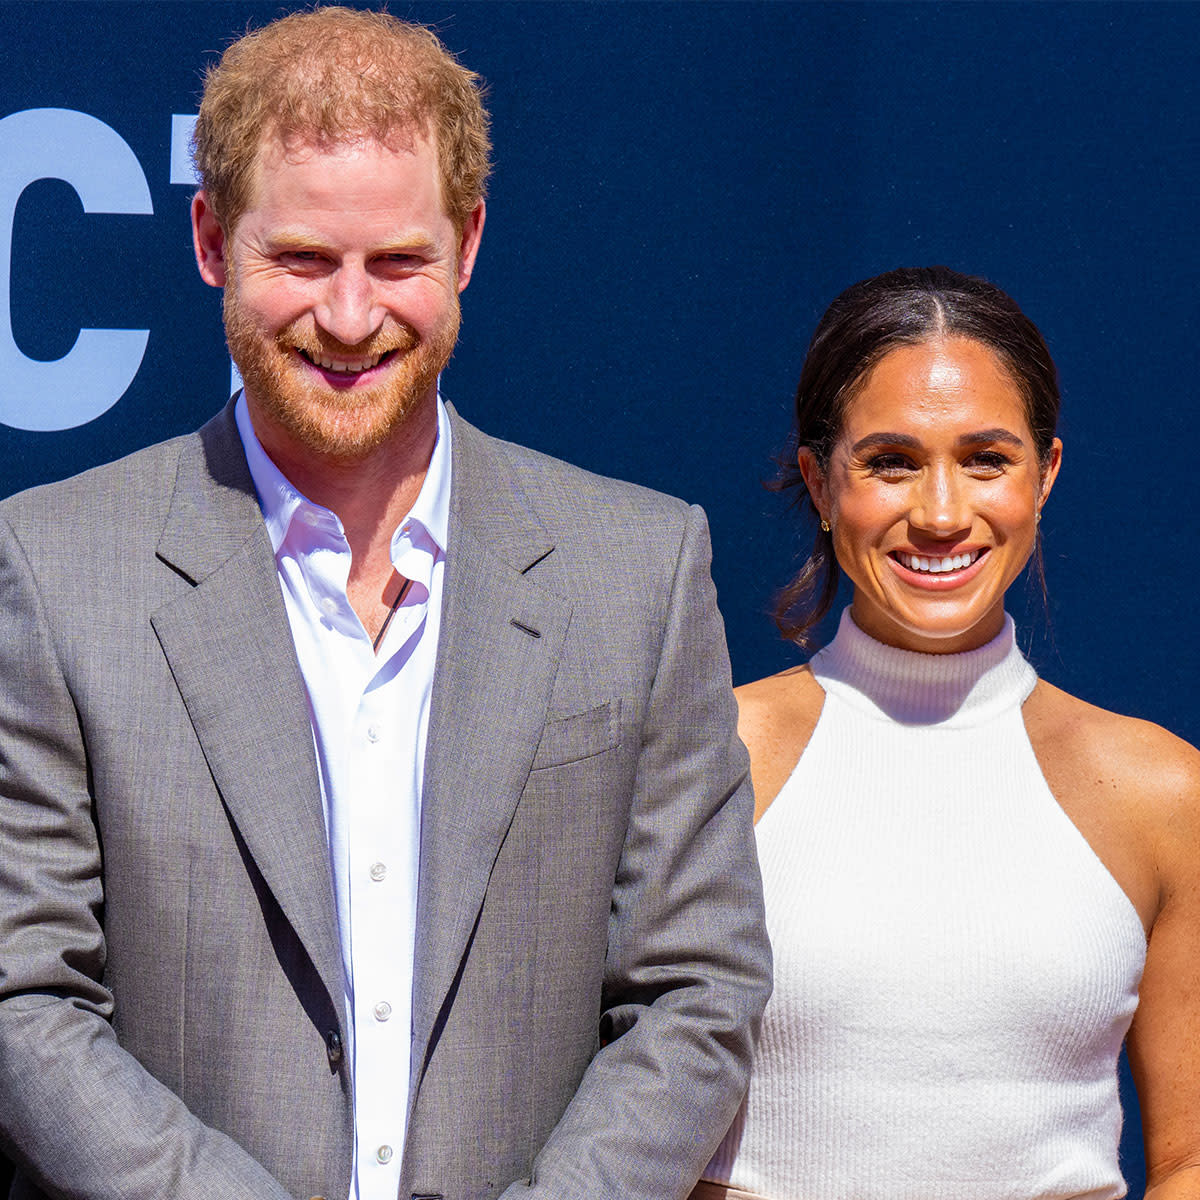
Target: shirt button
x: 384, y: 1154
x: 333, y: 1047
x: 383, y: 1010
x: 329, y: 606
x: 373, y: 734
x: 378, y: 871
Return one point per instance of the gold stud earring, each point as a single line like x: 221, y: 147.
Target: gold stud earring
x: 825, y: 526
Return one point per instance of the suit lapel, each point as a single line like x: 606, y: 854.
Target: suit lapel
x: 497, y: 656
x: 230, y: 650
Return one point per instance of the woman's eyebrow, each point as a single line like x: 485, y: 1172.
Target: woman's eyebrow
x: 999, y: 434
x: 906, y: 440
x: 886, y: 439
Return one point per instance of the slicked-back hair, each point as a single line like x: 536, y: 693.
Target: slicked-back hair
x: 904, y: 307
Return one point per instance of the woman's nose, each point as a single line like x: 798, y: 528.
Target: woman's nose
x: 940, y: 506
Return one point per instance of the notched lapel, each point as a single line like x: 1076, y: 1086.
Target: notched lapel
x: 502, y: 636
x: 230, y: 650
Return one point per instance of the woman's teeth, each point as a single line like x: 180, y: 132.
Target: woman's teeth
x: 935, y: 566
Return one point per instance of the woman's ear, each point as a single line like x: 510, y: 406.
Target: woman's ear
x: 814, y: 480
x: 1050, y: 472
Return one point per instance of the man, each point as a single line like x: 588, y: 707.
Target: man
x: 372, y: 821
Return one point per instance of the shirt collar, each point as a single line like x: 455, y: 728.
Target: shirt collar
x: 281, y: 503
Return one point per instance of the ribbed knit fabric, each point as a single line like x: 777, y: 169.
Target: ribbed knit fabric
x: 955, y: 969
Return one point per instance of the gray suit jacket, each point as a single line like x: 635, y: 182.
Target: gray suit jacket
x: 591, y: 961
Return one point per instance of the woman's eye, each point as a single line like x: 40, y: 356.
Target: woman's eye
x: 889, y: 465
x: 990, y: 461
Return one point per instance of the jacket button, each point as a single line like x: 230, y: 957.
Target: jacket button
x: 333, y: 1047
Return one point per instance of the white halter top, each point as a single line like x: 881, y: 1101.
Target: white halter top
x: 955, y: 969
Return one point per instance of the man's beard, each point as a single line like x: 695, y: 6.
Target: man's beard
x: 343, y: 425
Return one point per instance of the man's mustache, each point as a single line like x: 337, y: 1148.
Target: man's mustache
x: 316, y: 344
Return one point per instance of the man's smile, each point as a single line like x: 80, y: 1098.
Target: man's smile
x: 345, y: 373
x: 353, y: 367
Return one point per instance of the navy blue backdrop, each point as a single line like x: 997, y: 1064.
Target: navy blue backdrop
x: 680, y: 189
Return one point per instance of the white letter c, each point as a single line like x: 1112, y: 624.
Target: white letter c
x: 59, y: 143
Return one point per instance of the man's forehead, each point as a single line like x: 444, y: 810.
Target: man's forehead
x: 277, y: 147
x: 294, y: 176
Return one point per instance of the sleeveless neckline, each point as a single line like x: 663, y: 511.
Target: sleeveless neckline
x: 955, y: 967
x: 905, y: 686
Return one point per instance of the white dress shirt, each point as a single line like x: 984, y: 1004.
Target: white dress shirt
x: 370, y: 716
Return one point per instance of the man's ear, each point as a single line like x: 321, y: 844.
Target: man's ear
x: 468, y: 244
x: 208, y: 241
x: 814, y: 480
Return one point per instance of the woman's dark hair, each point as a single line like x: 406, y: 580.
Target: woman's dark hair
x: 899, y: 308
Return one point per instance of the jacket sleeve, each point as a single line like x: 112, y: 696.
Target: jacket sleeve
x: 80, y: 1116
x: 688, y: 966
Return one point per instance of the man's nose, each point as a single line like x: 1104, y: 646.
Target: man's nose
x: 350, y: 310
x: 941, y: 506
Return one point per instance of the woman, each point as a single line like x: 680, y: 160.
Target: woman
x: 971, y: 876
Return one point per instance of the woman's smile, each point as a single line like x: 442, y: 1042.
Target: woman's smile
x: 938, y: 570
x: 933, y: 490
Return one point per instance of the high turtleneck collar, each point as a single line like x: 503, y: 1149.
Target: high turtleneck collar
x: 953, y: 690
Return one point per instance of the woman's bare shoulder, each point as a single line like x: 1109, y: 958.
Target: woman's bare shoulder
x: 776, y: 717
x: 1134, y: 790
x: 1141, y: 760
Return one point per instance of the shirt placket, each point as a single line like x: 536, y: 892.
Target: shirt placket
x: 383, y: 872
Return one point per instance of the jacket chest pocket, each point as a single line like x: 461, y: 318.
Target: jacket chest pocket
x: 569, y: 739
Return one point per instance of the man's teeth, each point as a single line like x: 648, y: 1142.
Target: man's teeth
x: 350, y: 368
x: 935, y: 566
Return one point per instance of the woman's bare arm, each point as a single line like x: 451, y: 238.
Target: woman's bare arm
x: 1164, y: 1040
x: 776, y: 717
x: 1133, y: 790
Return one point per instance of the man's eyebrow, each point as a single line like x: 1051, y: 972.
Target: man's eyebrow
x: 298, y: 239
x: 291, y: 239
